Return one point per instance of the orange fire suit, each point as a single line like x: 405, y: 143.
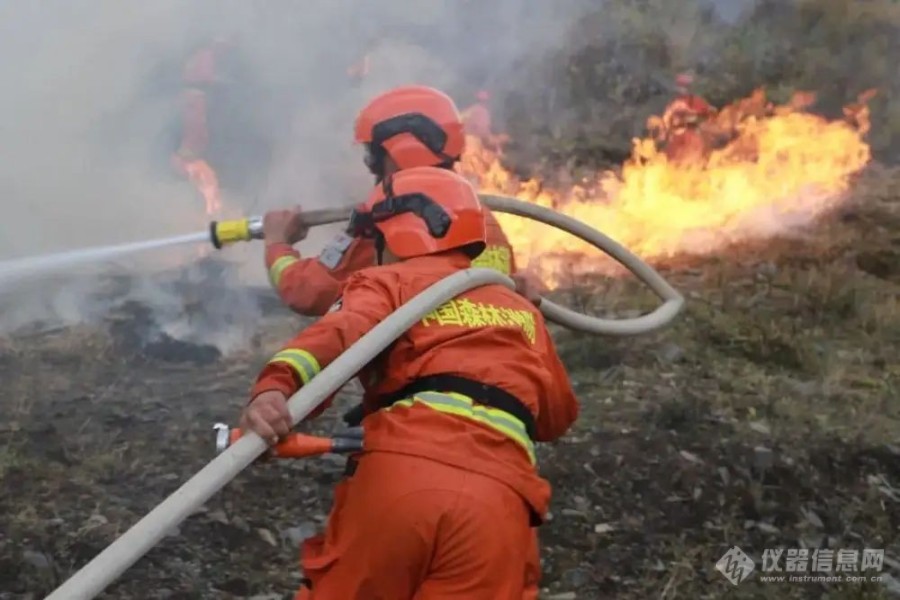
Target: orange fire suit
x: 310, y: 285
x: 199, y: 73
x: 440, y: 502
x: 477, y: 121
x: 684, y: 142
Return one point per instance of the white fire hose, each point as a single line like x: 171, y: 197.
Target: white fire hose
x: 228, y: 232
x: 107, y: 566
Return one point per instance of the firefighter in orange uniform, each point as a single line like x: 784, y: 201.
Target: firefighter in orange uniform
x: 682, y: 124
x: 443, y: 498
x: 477, y: 121
x: 202, y: 72
x: 406, y: 127
x: 410, y: 126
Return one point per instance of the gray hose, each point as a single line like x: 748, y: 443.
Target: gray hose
x: 107, y: 566
x: 673, y: 302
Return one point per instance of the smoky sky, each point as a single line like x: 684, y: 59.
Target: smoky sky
x: 89, y: 115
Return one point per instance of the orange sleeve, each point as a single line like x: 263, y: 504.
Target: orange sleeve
x: 558, y: 406
x: 365, y: 302
x: 309, y: 286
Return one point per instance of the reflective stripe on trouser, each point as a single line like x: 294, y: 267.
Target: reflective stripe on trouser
x: 463, y: 406
x: 494, y: 257
x: 278, y: 267
x: 302, y: 362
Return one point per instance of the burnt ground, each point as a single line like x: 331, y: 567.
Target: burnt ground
x: 767, y: 416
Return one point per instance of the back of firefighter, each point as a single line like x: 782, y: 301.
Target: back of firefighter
x: 410, y: 126
x: 442, y: 501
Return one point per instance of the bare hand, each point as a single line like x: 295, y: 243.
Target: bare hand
x: 268, y: 416
x: 284, y: 226
x: 530, y: 286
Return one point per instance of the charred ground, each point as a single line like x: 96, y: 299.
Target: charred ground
x: 766, y: 416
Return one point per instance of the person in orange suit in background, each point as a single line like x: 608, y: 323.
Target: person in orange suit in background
x: 202, y: 73
x: 680, y: 130
x: 409, y: 126
x: 477, y: 121
x: 443, y: 499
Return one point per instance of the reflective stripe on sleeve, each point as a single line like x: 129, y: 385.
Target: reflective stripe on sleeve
x: 278, y: 267
x: 302, y: 362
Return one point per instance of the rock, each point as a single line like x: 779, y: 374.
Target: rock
x: 266, y: 597
x: 218, y: 516
x: 38, y: 560
x: 767, y: 528
x: 297, y: 535
x: 96, y: 520
x: 760, y: 427
x: 174, y: 532
x: 812, y: 518
x: 576, y: 578
x: 563, y: 596
x: 723, y: 473
x: 603, y: 528
x: 670, y: 353
x: 267, y: 537
x: 571, y: 512
x: 690, y: 457
x: 763, y: 458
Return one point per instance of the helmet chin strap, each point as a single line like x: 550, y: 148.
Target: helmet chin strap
x: 379, y: 247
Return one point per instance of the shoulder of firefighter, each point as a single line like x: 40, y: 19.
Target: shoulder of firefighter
x: 309, y: 286
x: 490, y: 335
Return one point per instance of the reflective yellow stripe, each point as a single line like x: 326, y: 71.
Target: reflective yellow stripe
x: 278, y: 267
x: 302, y: 362
x: 463, y: 406
x: 494, y: 257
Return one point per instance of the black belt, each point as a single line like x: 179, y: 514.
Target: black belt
x: 480, y: 393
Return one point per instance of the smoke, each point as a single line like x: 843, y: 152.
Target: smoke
x: 90, y: 109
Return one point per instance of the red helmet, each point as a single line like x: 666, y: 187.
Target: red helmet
x: 420, y: 211
x: 415, y: 125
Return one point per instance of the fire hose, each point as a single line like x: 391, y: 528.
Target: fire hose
x: 245, y: 447
x: 223, y: 233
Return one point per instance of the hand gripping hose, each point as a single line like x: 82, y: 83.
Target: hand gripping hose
x: 107, y: 566
x: 226, y: 232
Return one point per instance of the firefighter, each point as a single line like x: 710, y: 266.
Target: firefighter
x: 477, y: 121
x: 442, y: 499
x: 201, y: 75
x: 682, y: 121
x: 405, y: 127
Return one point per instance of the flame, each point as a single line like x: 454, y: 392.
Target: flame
x: 204, y: 178
x: 700, y: 181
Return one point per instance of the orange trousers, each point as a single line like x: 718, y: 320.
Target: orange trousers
x: 409, y: 528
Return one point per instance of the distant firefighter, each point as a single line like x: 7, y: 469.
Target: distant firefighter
x: 202, y: 75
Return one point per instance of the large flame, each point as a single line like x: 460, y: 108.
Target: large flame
x: 750, y: 170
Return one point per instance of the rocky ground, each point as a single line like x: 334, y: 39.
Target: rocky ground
x: 766, y: 417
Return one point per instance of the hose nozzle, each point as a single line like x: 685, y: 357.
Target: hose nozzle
x: 222, y: 233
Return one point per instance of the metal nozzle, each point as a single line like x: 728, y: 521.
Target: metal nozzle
x: 222, y: 233
x: 223, y: 437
